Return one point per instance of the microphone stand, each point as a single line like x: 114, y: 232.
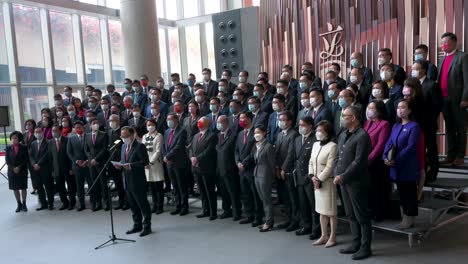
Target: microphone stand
x: 112, y: 238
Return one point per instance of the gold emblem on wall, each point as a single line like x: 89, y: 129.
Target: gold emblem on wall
x: 332, y: 46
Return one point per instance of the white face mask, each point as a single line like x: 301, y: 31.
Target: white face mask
x: 126, y: 141
x: 377, y: 93
x: 258, y: 137
x: 95, y: 127
x: 173, y: 100
x: 381, y: 61
x: 370, y: 114
x: 151, y: 129
x: 105, y: 107
x: 303, y: 130
x: 220, y: 126
x: 385, y: 75
x: 305, y: 103
x: 282, y: 125
x: 319, y: 136
x: 280, y: 91
x: 221, y: 88
x: 136, y: 114
x: 353, y: 79
x: 313, y: 101
x: 113, y: 125
x: 415, y: 73
x: 242, y: 79
x: 198, y: 99
x: 154, y: 112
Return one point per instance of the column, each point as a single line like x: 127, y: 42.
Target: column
x: 141, y: 39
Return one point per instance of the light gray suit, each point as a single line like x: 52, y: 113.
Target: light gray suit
x: 264, y: 173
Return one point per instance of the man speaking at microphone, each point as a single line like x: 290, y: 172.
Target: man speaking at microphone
x: 134, y: 158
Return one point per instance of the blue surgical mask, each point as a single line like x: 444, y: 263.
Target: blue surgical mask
x: 170, y: 124
x: 190, y: 83
x: 342, y: 102
x: 303, y: 85
x: 418, y: 57
x: 252, y: 108
x: 213, y: 108
x: 330, y: 93
x: 354, y: 63
x: 256, y: 93
x: 232, y: 110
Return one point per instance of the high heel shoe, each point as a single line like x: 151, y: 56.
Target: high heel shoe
x: 266, y: 228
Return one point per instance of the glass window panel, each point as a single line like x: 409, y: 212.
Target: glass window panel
x: 210, y: 48
x: 171, y: 9
x: 92, y: 2
x: 5, y: 99
x: 160, y: 8
x: 212, y: 6
x: 92, y: 49
x: 34, y: 99
x: 64, y: 47
x: 192, y: 35
x: 29, y: 43
x: 163, y: 54
x: 174, y: 50
x: 190, y: 8
x: 113, y: 4
x: 4, y: 71
x: 117, y: 52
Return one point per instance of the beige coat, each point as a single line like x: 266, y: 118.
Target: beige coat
x: 155, y: 172
x: 321, y: 164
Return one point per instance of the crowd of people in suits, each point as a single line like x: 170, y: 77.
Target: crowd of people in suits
x: 315, y: 144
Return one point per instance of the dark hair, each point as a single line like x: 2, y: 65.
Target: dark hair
x: 248, y: 114
x: 388, y: 65
x: 32, y: 121
x: 223, y: 80
x: 110, y: 86
x: 332, y: 73
x: 424, y: 47
x: 240, y: 91
x: 152, y: 120
x: 18, y: 134
x: 411, y: 106
x: 450, y: 35
x: 309, y: 74
x: 288, y: 67
x: 58, y: 96
x: 360, y: 71
x: 229, y: 72
x: 216, y: 99
x: 384, y: 85
x: 97, y: 91
x: 259, y: 86
x: 308, y: 120
x: 414, y: 84
x: 356, y: 111
x: 175, y: 75
x: 381, y: 109
x: 207, y: 70
x: 105, y: 99
x: 144, y: 76
x: 174, y: 115
x: 257, y: 100
x: 130, y: 129
x: 337, y: 65
x: 78, y: 122
x: 424, y: 65
x: 57, y: 126
x: 90, y: 86
x: 128, y: 80
x: 244, y: 71
x: 91, y: 112
x: 280, y: 97
x: 327, y: 127
x: 264, y: 74
x: 386, y: 50
x: 283, y: 81
x: 191, y: 75
x: 261, y: 128
x: 136, y: 82
x: 318, y: 91
x: 288, y: 115
x: 308, y: 63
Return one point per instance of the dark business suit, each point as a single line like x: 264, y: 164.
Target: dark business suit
x: 204, y: 149
x: 139, y: 125
x: 367, y: 76
x: 98, y: 150
x: 27, y: 140
x: 364, y: 93
x: 310, y: 219
x: 252, y: 205
x: 234, y: 123
x: 61, y: 167
x: 351, y: 165
x: 112, y: 172
x: 291, y: 105
x: 204, y: 108
x: 287, y: 191
x: 141, y: 99
x: 228, y: 172
x: 135, y: 183
x: 264, y: 174
x: 341, y: 85
x: 211, y: 89
x: 261, y: 118
x: 175, y: 152
x: 323, y: 113
x: 265, y: 105
x: 103, y: 118
x: 434, y: 101
x: 303, y: 113
x: 273, y: 128
x: 38, y: 154
x: 213, y: 118
x: 457, y: 85
x: 76, y: 151
x: 125, y: 115
x: 17, y: 181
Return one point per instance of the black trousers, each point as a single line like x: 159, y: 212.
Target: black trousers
x: 60, y: 180
x: 45, y: 187
x: 179, y: 180
x: 157, y: 194
x: 251, y: 202
x: 288, y: 194
x: 206, y: 185
x: 81, y: 176
x: 71, y: 187
x: 101, y: 186
x: 115, y: 174
x: 380, y: 189
x: 356, y: 202
x: 310, y: 219
x: 455, y: 126
x: 230, y: 193
x: 432, y: 153
x: 408, y: 192
x: 141, y: 212
x: 33, y: 177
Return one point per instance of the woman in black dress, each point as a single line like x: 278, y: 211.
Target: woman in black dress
x: 16, y: 157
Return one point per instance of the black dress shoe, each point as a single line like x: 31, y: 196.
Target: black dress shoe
x: 51, y: 207
x: 361, y: 254
x: 18, y: 209
x: 159, y: 211
x: 203, y: 215
x: 303, y: 231
x: 246, y: 221
x: 34, y: 192
x: 106, y: 208
x: 283, y: 225
x: 177, y: 211
x: 71, y: 207
x: 314, y: 236
x: 134, y: 230
x: 97, y: 208
x: 63, y: 207
x: 81, y: 208
x: 145, y: 232
x: 263, y: 230
x: 118, y: 207
x: 41, y: 208
x: 24, y: 208
x: 349, y: 250
x: 256, y: 223
x: 184, y: 212
x: 225, y: 215
x: 213, y: 217
x: 236, y: 218
x: 292, y: 227
x: 154, y: 210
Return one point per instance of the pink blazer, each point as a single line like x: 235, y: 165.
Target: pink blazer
x: 379, y: 133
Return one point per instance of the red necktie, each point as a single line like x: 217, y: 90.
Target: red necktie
x: 245, y: 136
x: 169, y: 141
x: 222, y: 137
x: 200, y: 137
x: 314, y: 113
x: 105, y: 115
x: 127, y: 152
x: 94, y: 139
x: 57, y: 144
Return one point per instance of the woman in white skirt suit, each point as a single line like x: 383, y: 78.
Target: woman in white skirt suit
x: 321, y: 166
x: 154, y: 171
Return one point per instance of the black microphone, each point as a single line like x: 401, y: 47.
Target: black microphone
x: 117, y: 143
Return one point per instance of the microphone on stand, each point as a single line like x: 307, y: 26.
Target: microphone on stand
x: 117, y: 143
